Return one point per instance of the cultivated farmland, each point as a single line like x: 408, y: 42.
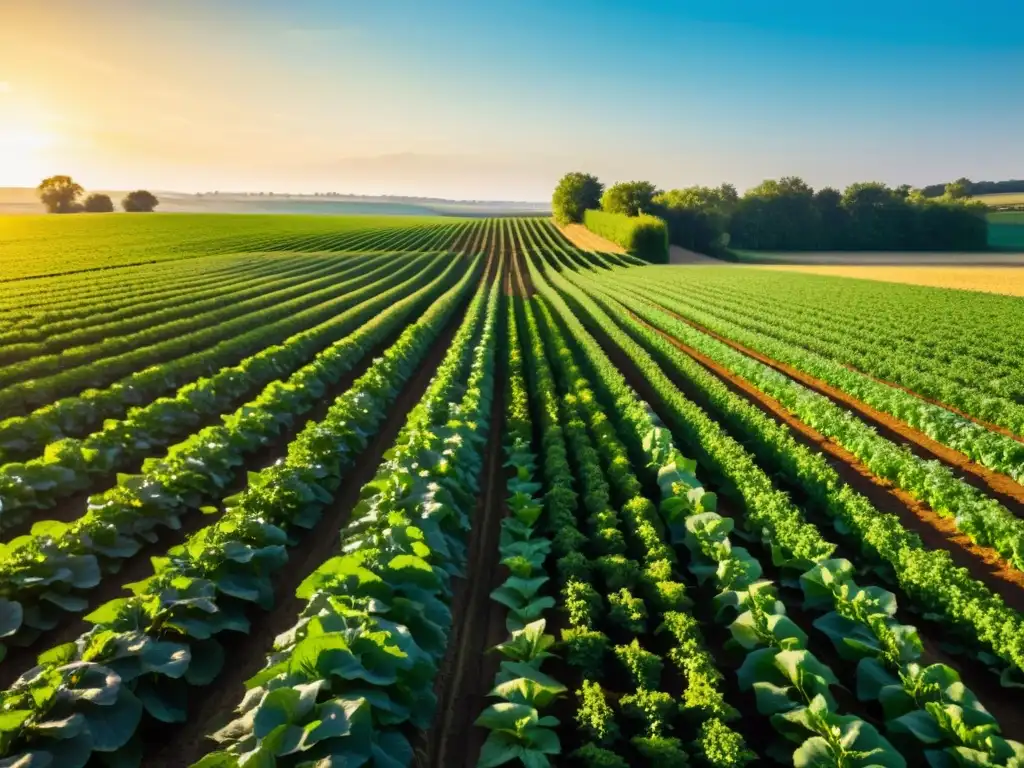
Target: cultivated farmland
x: 289, y: 491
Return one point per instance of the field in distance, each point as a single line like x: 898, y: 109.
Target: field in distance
x: 32, y: 246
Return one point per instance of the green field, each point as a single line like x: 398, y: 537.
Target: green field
x: 1006, y: 230
x: 49, y: 245
x: 302, y: 492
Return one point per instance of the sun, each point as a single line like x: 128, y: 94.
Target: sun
x: 23, y: 155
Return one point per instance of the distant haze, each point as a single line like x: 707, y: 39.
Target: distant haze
x: 23, y: 200
x: 495, y: 101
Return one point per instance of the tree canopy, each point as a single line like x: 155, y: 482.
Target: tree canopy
x: 140, y: 201
x: 959, y: 189
x: 97, y: 203
x: 60, y: 194
x: 576, y: 192
x: 630, y: 198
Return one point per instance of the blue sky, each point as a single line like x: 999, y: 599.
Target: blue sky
x: 488, y: 100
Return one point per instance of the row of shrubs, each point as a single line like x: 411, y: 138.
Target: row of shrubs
x: 643, y: 236
x: 784, y: 215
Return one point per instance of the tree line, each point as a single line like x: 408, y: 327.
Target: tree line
x: 975, y: 188
x: 787, y: 214
x: 62, y: 194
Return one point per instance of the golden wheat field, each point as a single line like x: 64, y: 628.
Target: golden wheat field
x: 1004, y: 280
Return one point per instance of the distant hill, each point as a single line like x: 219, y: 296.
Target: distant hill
x: 15, y: 200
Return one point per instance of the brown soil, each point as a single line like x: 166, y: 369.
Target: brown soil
x: 1002, y: 487
x: 986, y: 424
x: 585, y: 240
x: 139, y: 566
x: 185, y: 744
x: 467, y: 673
x: 984, y: 563
x: 984, y: 685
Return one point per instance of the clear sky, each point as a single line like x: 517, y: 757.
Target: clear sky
x: 478, y: 99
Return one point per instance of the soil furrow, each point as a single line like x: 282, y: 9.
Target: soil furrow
x: 984, y: 563
x: 467, y: 673
x: 188, y: 742
x: 138, y: 566
x: 1000, y: 486
x: 978, y: 678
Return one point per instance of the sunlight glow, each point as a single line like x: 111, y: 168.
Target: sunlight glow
x: 23, y: 155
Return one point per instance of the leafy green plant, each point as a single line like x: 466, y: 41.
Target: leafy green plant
x: 593, y: 756
x: 642, y: 665
x: 661, y: 751
x: 720, y: 746
x: 520, y: 596
x: 583, y: 605
x: 653, y: 708
x: 517, y: 732
x: 594, y: 716
x: 627, y: 611
x: 585, y: 649
x: 528, y: 645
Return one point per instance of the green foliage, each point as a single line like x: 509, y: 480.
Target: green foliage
x: 97, y: 203
x: 643, y: 236
x: 642, y: 665
x: 721, y: 747
x: 585, y: 649
x: 697, y: 217
x: 140, y: 201
x: 661, y: 751
x: 627, y: 612
x: 654, y: 709
x: 592, y: 756
x: 583, y: 604
x: 629, y: 198
x: 575, y: 193
x: 788, y: 215
x: 594, y: 716
x: 60, y: 194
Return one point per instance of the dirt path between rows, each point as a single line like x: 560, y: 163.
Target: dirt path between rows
x: 1002, y: 487
x: 467, y: 674
x: 977, y: 678
x: 139, y: 566
x: 984, y: 563
x: 185, y: 744
x: 585, y: 240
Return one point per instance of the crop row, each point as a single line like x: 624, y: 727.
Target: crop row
x: 991, y: 449
x: 47, y: 571
x: 145, y: 651
x: 936, y: 586
x: 880, y: 350
x: 360, y: 662
x: 982, y: 518
x: 958, y: 362
x: 26, y: 436
x: 21, y: 343
x: 104, y: 361
x: 926, y: 705
x: 71, y: 465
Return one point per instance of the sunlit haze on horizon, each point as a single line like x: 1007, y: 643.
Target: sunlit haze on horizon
x: 496, y: 101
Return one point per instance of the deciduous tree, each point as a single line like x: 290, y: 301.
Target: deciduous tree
x: 60, y: 194
x: 97, y: 203
x: 140, y: 201
x: 629, y: 197
x: 576, y: 192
